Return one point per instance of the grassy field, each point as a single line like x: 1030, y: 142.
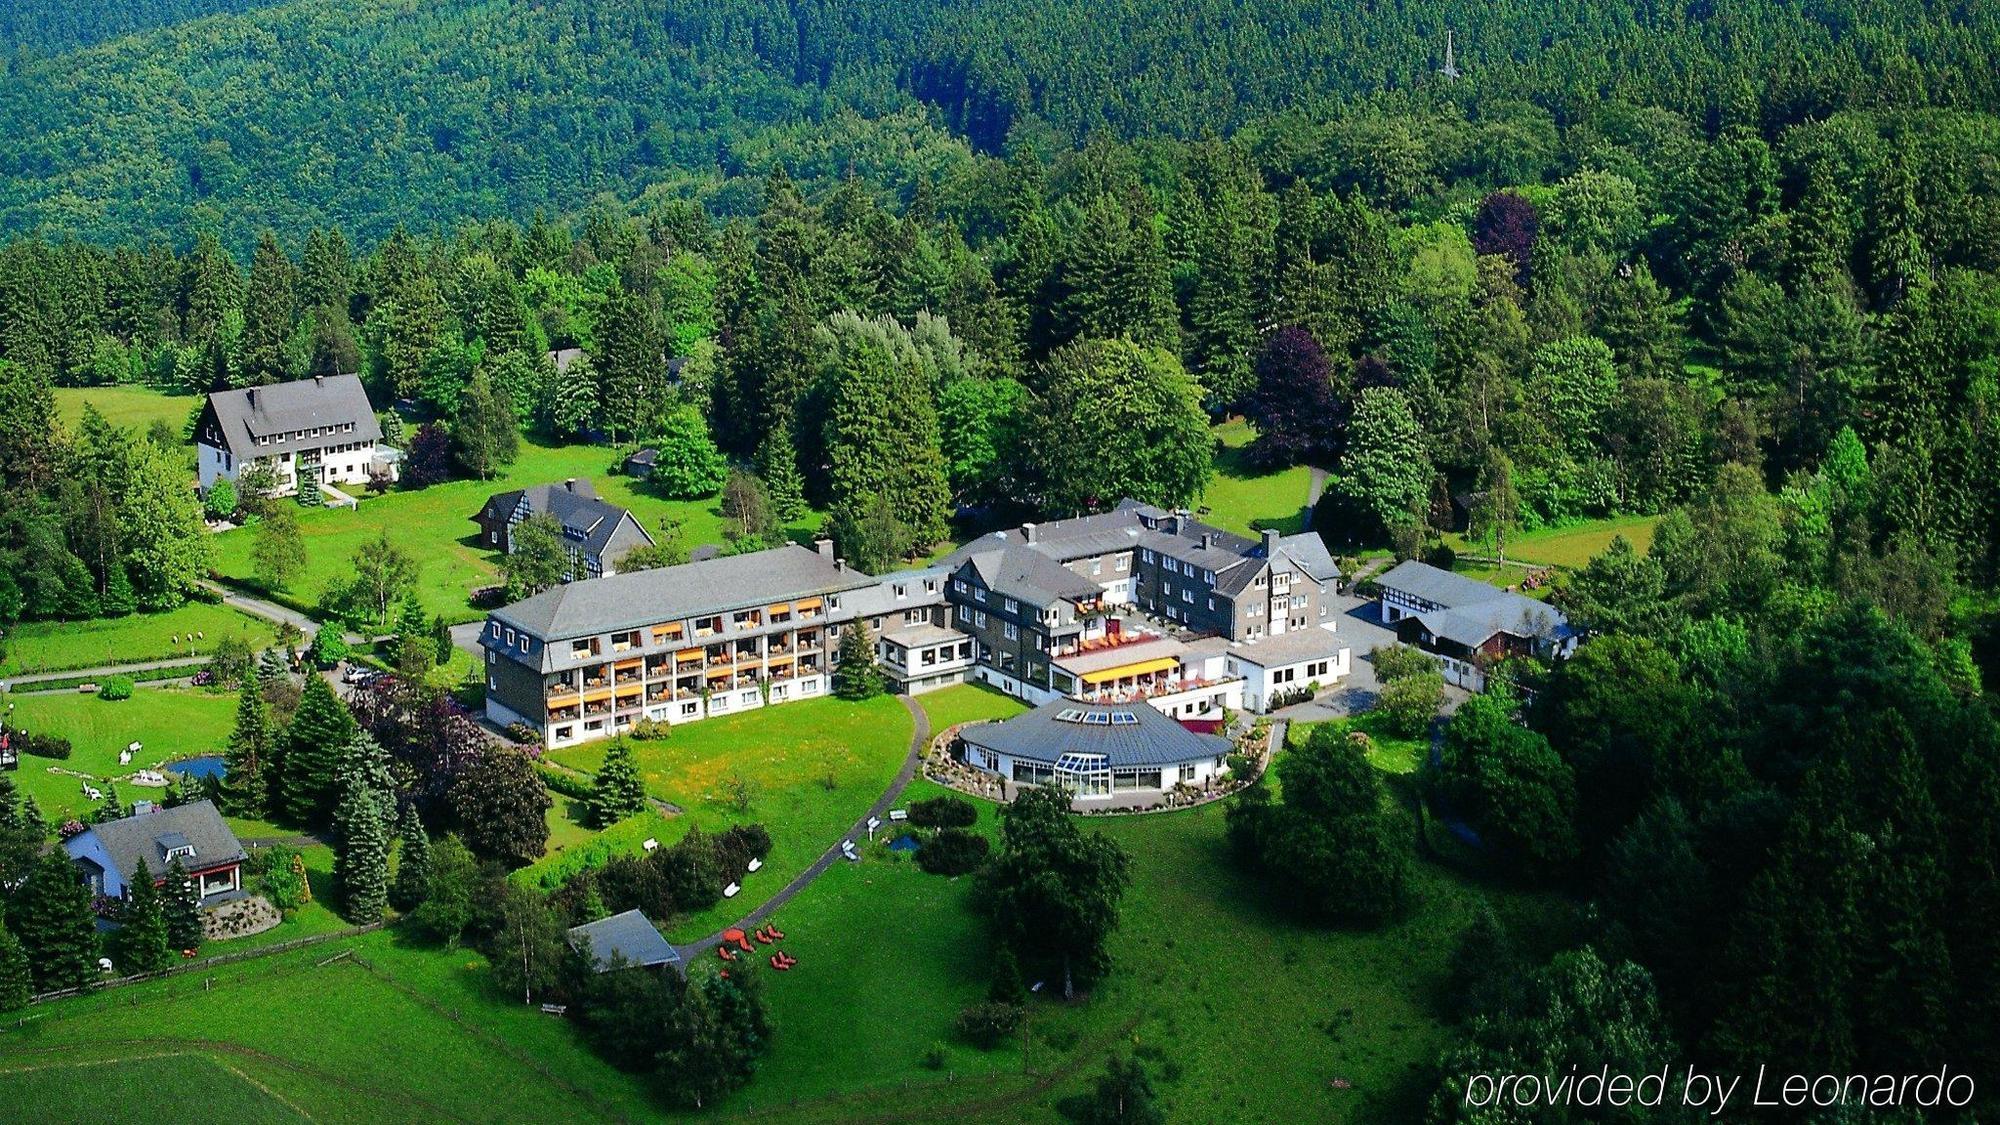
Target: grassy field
x: 435, y: 526
x: 172, y: 723
x: 1571, y: 546
x: 788, y: 755
x: 132, y: 407
x: 1242, y: 500
x: 1242, y: 1013
x: 963, y: 703
x: 364, y: 1038
x: 1391, y: 753
x: 56, y: 646
x: 192, y: 1087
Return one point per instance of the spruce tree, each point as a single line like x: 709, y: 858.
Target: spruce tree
x: 110, y: 808
x: 361, y: 856
x: 271, y: 665
x: 364, y: 765
x: 319, y: 729
x: 16, y: 983
x: 140, y: 944
x: 777, y: 463
x: 53, y: 919
x: 413, y: 869
x: 248, y: 764
x: 856, y: 676
x: 619, y: 793
x: 180, y: 906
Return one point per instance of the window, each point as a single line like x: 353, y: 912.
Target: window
x: 1096, y: 567
x: 1124, y: 563
x: 900, y: 592
x: 1011, y: 631
x: 1208, y: 576
x: 1211, y: 605
x: 964, y: 612
x: 979, y: 619
x: 1146, y: 554
x: 914, y: 616
x: 832, y: 601
x: 1261, y: 582
x: 1013, y: 606
x: 690, y: 707
x: 958, y: 585
x: 979, y: 596
x: 1187, y: 596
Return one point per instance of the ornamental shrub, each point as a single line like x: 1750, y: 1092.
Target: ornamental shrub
x: 985, y: 1025
x: 116, y: 688
x: 953, y: 851
x: 943, y: 812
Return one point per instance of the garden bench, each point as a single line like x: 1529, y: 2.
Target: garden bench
x: 554, y: 1009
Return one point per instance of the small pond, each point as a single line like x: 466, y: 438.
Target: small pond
x: 201, y: 767
x: 904, y: 843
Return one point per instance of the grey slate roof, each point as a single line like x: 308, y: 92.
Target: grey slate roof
x: 1473, y: 625
x: 574, y: 504
x: 1473, y: 611
x: 1428, y: 583
x: 1040, y: 736
x: 279, y: 409
x: 629, y: 936
x: 646, y: 597
x: 148, y: 836
x: 1293, y: 646
x: 1030, y: 577
x: 1308, y: 552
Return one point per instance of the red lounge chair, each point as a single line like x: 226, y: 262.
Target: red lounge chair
x: 743, y: 944
x: 778, y: 964
x: 775, y: 932
x: 764, y: 937
x: 723, y: 952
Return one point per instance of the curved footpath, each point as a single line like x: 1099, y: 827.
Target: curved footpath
x: 919, y: 738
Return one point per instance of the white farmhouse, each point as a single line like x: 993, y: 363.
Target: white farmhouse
x: 320, y: 429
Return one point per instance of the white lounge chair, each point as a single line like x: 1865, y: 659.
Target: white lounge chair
x: 731, y: 890
x: 899, y: 814
x: 651, y: 843
x: 756, y: 865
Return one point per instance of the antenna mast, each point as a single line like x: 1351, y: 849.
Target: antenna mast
x: 1450, y: 67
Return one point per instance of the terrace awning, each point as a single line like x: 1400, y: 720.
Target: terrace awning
x: 782, y: 607
x: 808, y: 603
x: 1140, y: 668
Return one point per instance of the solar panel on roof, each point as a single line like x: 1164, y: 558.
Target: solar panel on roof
x: 1124, y: 719
x: 1098, y: 719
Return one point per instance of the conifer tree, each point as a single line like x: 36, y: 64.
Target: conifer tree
x: 319, y: 729
x: 180, y: 906
x: 248, y: 758
x: 364, y: 765
x: 777, y: 464
x: 413, y: 868
x: 110, y: 808
x: 16, y: 983
x: 361, y: 857
x: 618, y: 793
x: 140, y: 943
x: 856, y: 676
x: 52, y: 917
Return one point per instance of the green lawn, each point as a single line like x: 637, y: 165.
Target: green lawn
x: 1571, y: 546
x: 177, y: 1087
x: 333, y: 1040
x: 788, y: 754
x: 133, y: 407
x: 56, y: 646
x: 434, y: 525
x: 172, y: 723
x: 1391, y: 752
x: 1244, y: 501
x: 963, y: 703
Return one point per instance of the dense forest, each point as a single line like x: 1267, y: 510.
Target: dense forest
x: 48, y: 27
x: 935, y: 267
x: 304, y: 113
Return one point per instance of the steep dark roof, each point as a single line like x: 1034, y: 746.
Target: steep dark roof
x: 646, y: 597
x: 1473, y: 611
x: 574, y: 504
x: 301, y: 406
x: 1140, y: 736
x: 148, y: 837
x: 628, y: 936
x: 1431, y: 584
x: 1028, y: 576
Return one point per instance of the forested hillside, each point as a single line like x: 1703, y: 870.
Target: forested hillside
x: 46, y: 27
x: 384, y: 111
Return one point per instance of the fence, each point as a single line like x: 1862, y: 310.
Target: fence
x: 206, y: 963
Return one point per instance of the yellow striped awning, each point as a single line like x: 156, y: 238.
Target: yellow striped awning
x: 779, y: 659
x: 595, y: 694
x: 721, y: 673
x: 809, y: 603
x: 629, y: 662
x: 782, y: 607
x: 1141, y: 668
x: 688, y: 654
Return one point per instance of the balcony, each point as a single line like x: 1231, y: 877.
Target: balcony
x: 628, y: 676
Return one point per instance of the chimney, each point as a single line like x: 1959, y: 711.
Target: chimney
x: 1172, y: 524
x: 319, y: 380
x: 824, y: 547
x: 1270, y: 542
x: 569, y: 484
x: 1028, y: 532
x: 840, y: 565
x: 1207, y: 540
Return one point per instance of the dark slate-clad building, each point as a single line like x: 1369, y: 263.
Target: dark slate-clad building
x: 597, y: 534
